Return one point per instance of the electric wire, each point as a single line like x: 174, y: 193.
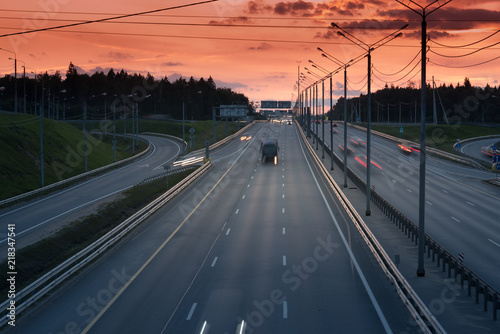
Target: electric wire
x: 465, y: 45
x: 357, y: 83
x: 464, y: 55
x: 400, y: 79
x: 406, y: 66
x: 109, y: 18
x: 210, y: 24
x: 198, y: 37
x: 465, y: 66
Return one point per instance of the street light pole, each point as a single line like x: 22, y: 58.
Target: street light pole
x: 42, y: 183
x: 423, y: 87
x: 299, y: 96
x: 85, y: 130
x: 345, y: 66
x: 15, y: 78
x: 114, y: 132
x: 24, y: 85
x: 36, y: 78
x: 368, y: 49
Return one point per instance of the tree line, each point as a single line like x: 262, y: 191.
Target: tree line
x: 60, y: 98
x: 462, y: 103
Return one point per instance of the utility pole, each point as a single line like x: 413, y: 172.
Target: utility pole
x: 423, y: 87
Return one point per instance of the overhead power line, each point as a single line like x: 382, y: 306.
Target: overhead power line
x: 465, y: 45
x: 406, y: 66
x: 467, y: 54
x: 465, y: 66
x: 109, y: 18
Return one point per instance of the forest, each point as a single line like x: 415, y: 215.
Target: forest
x: 64, y: 98
x: 459, y: 104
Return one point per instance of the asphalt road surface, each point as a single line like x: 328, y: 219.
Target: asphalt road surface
x: 249, y: 248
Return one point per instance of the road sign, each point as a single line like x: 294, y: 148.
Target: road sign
x: 192, y: 130
x: 496, y: 158
x: 494, y: 148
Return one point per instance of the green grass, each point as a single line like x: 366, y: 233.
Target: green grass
x: 63, y: 152
x: 64, y: 147
x: 439, y: 136
x: 35, y: 260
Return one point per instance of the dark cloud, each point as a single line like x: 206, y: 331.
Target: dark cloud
x: 120, y: 56
x: 363, y: 27
x: 295, y: 8
x: 171, y: 63
x: 258, y: 7
x: 232, y: 20
x: 262, y: 46
x: 310, y: 9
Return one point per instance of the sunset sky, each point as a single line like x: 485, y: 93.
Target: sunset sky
x: 254, y: 46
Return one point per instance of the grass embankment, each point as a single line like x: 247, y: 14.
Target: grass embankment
x: 63, y: 152
x: 442, y: 137
x: 35, y: 260
x: 64, y: 147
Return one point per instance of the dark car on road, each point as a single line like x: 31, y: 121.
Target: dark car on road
x: 269, y: 149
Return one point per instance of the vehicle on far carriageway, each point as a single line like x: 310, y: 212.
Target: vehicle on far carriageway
x: 488, y: 150
x: 407, y: 147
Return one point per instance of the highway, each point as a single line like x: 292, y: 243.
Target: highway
x: 461, y: 209
x: 40, y: 217
x: 248, y: 248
